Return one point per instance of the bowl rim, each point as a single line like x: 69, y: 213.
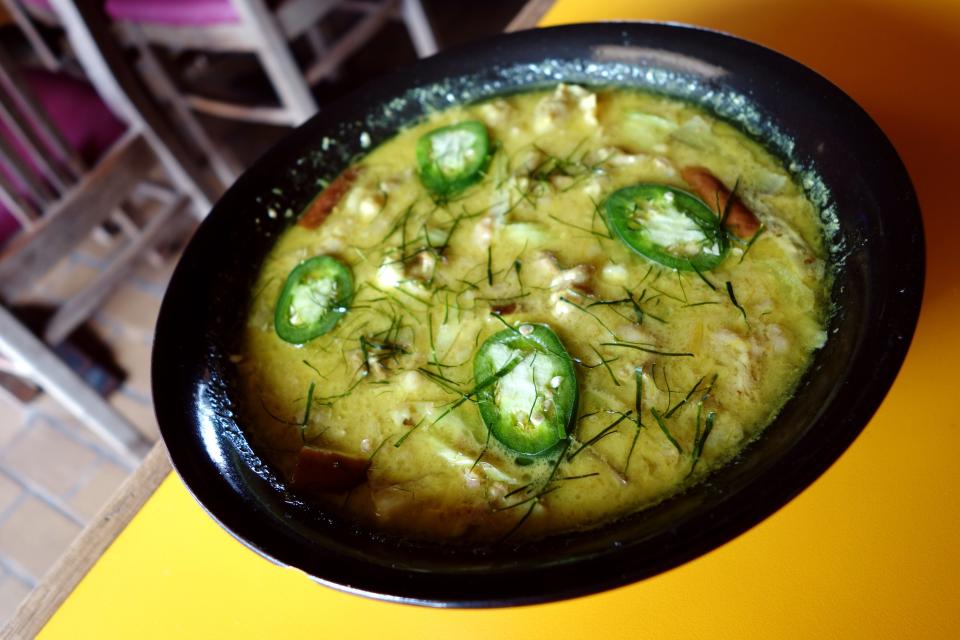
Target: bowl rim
x: 682, y: 542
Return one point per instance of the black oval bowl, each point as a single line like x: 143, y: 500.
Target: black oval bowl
x: 841, y: 155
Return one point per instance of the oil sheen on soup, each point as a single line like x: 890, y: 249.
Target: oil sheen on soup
x: 533, y: 315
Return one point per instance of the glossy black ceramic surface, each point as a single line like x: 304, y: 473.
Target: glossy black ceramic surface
x: 844, y: 159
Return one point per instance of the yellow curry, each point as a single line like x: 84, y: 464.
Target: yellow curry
x: 534, y: 314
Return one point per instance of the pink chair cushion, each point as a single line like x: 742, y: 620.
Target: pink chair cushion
x: 77, y: 112
x: 40, y: 4
x: 8, y: 225
x: 180, y: 13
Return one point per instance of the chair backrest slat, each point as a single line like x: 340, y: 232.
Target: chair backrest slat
x: 46, y: 56
x: 65, y: 225
x: 41, y: 155
x: 17, y: 169
x: 23, y: 101
x: 24, y: 212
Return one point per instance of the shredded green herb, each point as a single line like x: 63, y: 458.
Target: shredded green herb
x: 329, y: 400
x: 591, y: 314
x: 314, y: 369
x: 701, y: 438
x: 306, y: 411
x: 606, y: 364
x: 733, y: 299
x: 606, y: 431
x: 683, y: 291
x: 401, y: 222
x: 490, y: 265
x: 751, y: 241
x: 641, y: 313
x: 482, y: 452
x: 579, y: 228
x: 685, y: 399
x: 580, y: 477
x: 627, y: 345
x: 712, y: 286
x: 483, y: 384
x: 728, y: 205
x: 666, y: 431
x: 442, y: 381
x: 545, y: 489
x: 377, y: 450
x: 266, y: 410
x: 638, y: 405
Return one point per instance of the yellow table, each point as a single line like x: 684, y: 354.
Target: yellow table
x: 869, y: 550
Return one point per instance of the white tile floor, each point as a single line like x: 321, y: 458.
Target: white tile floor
x: 55, y: 474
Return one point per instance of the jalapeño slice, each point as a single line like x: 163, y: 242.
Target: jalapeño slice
x: 667, y: 225
x: 452, y: 158
x: 314, y: 297
x: 527, y: 388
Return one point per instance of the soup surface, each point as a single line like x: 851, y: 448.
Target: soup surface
x: 531, y: 315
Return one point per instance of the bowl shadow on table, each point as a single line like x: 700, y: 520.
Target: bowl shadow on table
x: 897, y: 63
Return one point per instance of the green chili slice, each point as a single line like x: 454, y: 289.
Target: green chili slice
x: 313, y: 299
x: 530, y: 408
x: 667, y: 225
x: 452, y: 158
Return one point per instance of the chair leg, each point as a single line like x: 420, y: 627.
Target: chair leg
x: 50, y: 372
x: 320, y: 48
x: 277, y: 59
x: 419, y: 27
x: 164, y: 87
x: 292, y: 90
x: 375, y: 15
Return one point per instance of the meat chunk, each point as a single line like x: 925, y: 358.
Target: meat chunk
x: 572, y: 284
x: 741, y: 222
x: 321, y: 471
x: 324, y: 203
x: 566, y: 100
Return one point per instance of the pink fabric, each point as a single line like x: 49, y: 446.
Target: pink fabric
x: 41, y: 4
x: 178, y: 13
x: 8, y: 225
x: 77, y: 112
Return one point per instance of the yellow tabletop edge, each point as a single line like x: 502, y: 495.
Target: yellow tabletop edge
x: 84, y: 552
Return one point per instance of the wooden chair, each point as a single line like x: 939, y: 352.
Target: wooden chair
x: 33, y: 15
x: 265, y: 29
x: 59, y: 199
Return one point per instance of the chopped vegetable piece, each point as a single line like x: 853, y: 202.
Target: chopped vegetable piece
x: 452, y: 158
x: 667, y: 225
x: 324, y: 203
x: 321, y: 471
x: 530, y: 407
x: 740, y: 221
x: 314, y: 298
